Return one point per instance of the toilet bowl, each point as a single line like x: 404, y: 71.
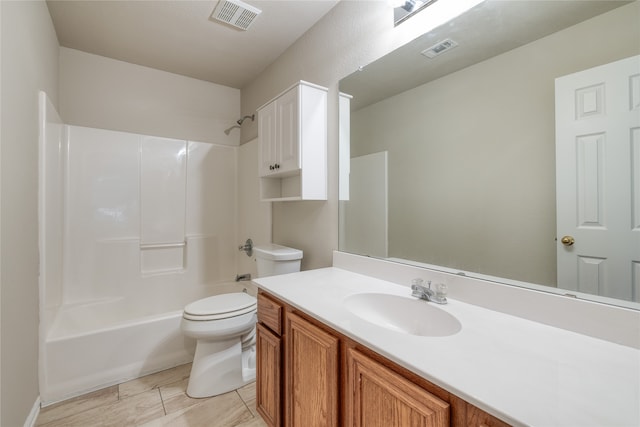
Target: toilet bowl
x: 225, y: 329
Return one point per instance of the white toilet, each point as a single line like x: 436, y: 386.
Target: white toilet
x: 225, y: 327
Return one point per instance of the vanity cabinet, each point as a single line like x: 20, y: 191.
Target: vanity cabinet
x: 269, y: 361
x: 292, y: 132
x: 313, y: 376
x: 377, y: 396
x: 312, y: 384
x: 478, y: 418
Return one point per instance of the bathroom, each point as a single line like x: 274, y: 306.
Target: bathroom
x: 149, y: 102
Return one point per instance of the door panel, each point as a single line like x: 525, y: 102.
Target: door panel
x: 268, y: 372
x: 288, y: 131
x: 268, y: 138
x: 311, y: 375
x: 378, y: 397
x: 598, y: 179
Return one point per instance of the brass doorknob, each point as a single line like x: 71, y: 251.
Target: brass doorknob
x: 568, y: 240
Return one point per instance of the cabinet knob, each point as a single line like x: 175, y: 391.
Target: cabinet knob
x: 277, y: 166
x: 271, y: 167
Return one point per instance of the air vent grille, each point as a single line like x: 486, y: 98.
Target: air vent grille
x: 439, y: 48
x: 235, y: 13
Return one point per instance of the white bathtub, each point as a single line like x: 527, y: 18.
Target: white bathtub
x: 94, y: 345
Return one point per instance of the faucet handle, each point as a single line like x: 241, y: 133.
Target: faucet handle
x: 416, y: 282
x: 417, y: 287
x: 440, y: 295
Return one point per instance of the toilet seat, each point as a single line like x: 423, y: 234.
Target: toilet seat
x: 221, y: 306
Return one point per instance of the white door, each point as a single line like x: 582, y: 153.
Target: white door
x: 598, y: 180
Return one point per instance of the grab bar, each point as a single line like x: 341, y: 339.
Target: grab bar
x: 163, y: 245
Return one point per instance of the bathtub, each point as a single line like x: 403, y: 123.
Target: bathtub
x: 97, y: 344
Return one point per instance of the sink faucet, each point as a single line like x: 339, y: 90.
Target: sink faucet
x: 419, y: 290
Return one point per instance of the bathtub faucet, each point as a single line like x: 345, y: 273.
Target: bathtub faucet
x: 243, y: 277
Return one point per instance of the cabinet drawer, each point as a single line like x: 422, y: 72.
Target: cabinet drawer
x: 270, y: 313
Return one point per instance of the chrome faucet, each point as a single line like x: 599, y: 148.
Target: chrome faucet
x: 419, y: 290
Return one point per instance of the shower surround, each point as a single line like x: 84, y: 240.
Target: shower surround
x: 132, y: 228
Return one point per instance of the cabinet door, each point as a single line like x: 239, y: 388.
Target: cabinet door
x: 268, y: 374
x: 288, y: 113
x: 378, y: 397
x: 268, y: 139
x: 479, y: 418
x: 311, y: 375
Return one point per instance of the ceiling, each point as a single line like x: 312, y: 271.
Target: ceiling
x: 487, y: 30
x: 180, y: 37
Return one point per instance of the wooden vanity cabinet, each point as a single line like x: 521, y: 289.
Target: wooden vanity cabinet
x: 376, y: 396
x: 269, y: 361
x: 309, y: 375
x: 478, y: 418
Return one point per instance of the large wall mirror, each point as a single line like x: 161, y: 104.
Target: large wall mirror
x: 456, y: 158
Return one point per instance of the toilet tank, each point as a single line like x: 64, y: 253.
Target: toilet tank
x: 275, y: 259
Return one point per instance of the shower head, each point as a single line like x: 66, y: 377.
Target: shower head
x: 239, y: 122
x: 252, y: 117
x: 228, y: 131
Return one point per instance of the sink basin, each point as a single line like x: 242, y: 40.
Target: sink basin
x: 403, y: 314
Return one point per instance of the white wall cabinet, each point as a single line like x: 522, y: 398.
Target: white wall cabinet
x: 292, y: 132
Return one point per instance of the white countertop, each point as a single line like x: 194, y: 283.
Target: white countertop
x: 523, y: 372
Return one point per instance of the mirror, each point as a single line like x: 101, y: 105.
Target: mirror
x: 462, y: 145
x: 405, y: 9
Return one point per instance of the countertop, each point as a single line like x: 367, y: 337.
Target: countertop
x: 523, y: 372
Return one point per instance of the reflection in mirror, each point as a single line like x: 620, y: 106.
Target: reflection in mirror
x: 469, y: 141
x: 405, y: 9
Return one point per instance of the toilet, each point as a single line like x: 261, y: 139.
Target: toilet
x: 274, y: 259
x: 225, y: 329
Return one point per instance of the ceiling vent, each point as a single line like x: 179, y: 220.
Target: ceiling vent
x: 439, y: 48
x: 235, y: 13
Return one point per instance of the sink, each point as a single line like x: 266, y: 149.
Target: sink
x: 403, y: 314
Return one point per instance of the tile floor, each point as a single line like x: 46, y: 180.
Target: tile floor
x: 156, y: 400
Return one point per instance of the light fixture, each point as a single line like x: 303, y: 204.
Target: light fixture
x: 404, y: 9
x: 411, y: 5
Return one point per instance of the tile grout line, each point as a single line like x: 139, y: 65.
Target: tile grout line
x: 164, y: 409
x: 245, y: 403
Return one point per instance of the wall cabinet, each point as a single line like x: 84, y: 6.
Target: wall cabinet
x: 322, y: 378
x: 292, y: 132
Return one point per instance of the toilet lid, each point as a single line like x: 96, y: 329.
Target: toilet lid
x: 274, y: 252
x: 221, y: 306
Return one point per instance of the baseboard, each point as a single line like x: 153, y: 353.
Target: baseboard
x: 33, y: 415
